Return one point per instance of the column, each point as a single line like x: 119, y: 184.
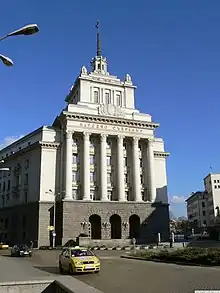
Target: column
x: 136, y: 170
x: 151, y: 171
x: 103, y: 168
x: 86, y: 166
x: 120, y: 169
x: 68, y: 182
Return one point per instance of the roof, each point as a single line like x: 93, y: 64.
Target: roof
x: 195, y: 194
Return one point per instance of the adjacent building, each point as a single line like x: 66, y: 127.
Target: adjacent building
x: 100, y: 162
x: 203, y: 206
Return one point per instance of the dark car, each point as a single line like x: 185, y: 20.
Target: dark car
x: 21, y: 250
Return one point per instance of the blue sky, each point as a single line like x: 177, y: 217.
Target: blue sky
x: 171, y: 49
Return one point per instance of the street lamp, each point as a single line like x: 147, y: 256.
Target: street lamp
x: 7, y: 61
x: 29, y: 29
x: 54, y: 215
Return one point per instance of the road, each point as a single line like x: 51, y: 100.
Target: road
x: 123, y: 275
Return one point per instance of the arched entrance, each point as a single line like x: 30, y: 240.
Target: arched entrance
x: 95, y: 221
x: 134, y: 226
x: 115, y: 221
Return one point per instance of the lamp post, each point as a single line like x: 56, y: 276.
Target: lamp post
x: 54, y: 215
x: 29, y: 29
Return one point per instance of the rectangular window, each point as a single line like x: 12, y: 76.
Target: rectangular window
x: 118, y: 100
x: 108, y: 161
x: 74, y: 193
x: 109, y: 178
x: 203, y: 213
x: 96, y: 97
x: 3, y: 187
x: 91, y: 177
x: 203, y: 204
x: 74, y: 159
x: 9, y: 185
x: 125, y: 161
x: 92, y: 160
x: 26, y: 179
x: 142, y: 181
x: 141, y: 163
x: 108, y: 98
x: 25, y: 197
x: 214, y: 181
x: 26, y: 164
x: 92, y: 195
x: 74, y: 177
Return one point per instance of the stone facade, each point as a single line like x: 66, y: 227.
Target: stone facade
x: 154, y: 218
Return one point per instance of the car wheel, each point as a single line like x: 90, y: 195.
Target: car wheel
x: 30, y: 254
x: 60, y: 268
x: 70, y: 269
x: 96, y: 272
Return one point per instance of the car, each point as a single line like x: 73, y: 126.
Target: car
x: 3, y: 246
x: 78, y: 260
x: 21, y: 250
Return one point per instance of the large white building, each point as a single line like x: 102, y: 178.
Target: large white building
x: 100, y: 157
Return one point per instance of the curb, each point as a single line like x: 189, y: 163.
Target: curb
x: 170, y: 262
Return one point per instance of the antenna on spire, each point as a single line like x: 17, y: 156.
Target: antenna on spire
x: 99, y: 51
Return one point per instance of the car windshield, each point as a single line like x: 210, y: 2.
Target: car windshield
x: 23, y: 246
x: 80, y: 252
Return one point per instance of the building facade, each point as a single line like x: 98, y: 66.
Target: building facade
x: 197, y: 210
x: 203, y: 206
x: 100, y: 161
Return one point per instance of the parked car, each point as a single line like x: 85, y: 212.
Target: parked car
x: 78, y: 260
x: 21, y: 250
x: 3, y: 245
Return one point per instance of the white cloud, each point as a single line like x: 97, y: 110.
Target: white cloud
x: 8, y: 140
x: 177, y: 199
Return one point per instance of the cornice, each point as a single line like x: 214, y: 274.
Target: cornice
x: 112, y: 120
x: 161, y: 154
x: 49, y: 145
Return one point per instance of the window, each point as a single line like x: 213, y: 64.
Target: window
x: 218, y: 181
x: 91, y: 177
x: 3, y: 187
x: 142, y: 181
x: 204, y: 222
x: 118, y: 100
x: 107, y: 98
x: 142, y: 195
x: 26, y: 179
x: 126, y: 178
x: 74, y: 193
x: 110, y: 195
x: 109, y: 178
x: 141, y: 163
x: 92, y: 195
x: 215, y: 186
x: 99, y: 66
x: 74, y: 179
x: 74, y: 159
x: 26, y: 164
x: 214, y: 181
x: 203, y: 213
x: 96, y: 97
x: 125, y: 162
x: 9, y: 185
x: 74, y: 141
x: 108, y: 161
x: 25, y: 197
x: 203, y: 204
x: 92, y: 160
x: 127, y: 195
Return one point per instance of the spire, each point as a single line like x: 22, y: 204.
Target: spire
x: 99, y: 51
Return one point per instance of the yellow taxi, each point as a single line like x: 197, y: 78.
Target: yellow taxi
x: 3, y: 246
x: 78, y: 260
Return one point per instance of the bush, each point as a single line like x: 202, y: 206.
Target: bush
x: 201, y: 256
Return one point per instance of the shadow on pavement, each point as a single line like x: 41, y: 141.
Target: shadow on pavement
x: 51, y: 270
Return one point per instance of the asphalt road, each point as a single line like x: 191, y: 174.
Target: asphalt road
x: 123, y: 275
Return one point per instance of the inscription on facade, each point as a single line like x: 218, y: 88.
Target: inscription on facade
x: 109, y: 127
